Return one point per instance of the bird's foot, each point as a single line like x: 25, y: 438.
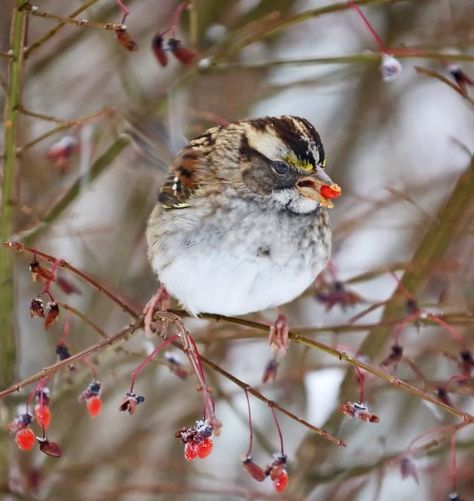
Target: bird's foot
x: 278, y: 337
x: 279, y: 340
x: 160, y: 301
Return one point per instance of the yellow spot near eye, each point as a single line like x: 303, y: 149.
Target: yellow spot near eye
x: 294, y: 161
x: 325, y: 161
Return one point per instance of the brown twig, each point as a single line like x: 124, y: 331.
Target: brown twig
x: 18, y: 247
x: 260, y: 396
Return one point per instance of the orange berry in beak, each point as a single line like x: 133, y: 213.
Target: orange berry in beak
x: 329, y: 192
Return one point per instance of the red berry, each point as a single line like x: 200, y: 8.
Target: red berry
x: 43, y: 415
x: 94, y: 406
x: 332, y: 191
x: 25, y: 439
x: 204, y: 448
x: 190, y: 451
x: 279, y: 477
x: 253, y: 469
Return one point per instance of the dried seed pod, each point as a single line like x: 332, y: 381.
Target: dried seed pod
x: 38, y: 273
x: 49, y: 448
x: 183, y: 54
x: 394, y: 358
x: 158, y: 50
x: 125, y: 39
x: 130, y: 402
x: 253, y: 469
x: 52, y: 309
x: 37, y: 308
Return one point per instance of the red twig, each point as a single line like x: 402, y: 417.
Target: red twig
x: 369, y: 26
x: 249, y: 452
x: 124, y: 9
x: 277, y: 424
x: 176, y: 17
x: 150, y: 357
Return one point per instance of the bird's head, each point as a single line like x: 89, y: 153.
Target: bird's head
x: 282, y: 162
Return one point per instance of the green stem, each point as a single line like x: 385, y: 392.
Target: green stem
x: 14, y: 88
x: 193, y: 23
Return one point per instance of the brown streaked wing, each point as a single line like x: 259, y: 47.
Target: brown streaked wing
x: 187, y: 172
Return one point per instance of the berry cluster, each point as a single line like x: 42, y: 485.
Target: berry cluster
x: 197, y: 440
x: 276, y: 470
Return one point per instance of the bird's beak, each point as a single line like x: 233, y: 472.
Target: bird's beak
x: 319, y: 187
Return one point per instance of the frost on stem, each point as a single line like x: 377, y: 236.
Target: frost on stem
x: 390, y: 68
x: 360, y: 411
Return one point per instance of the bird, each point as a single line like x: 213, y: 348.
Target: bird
x: 241, y: 222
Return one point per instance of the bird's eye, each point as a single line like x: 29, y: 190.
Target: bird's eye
x: 281, y: 168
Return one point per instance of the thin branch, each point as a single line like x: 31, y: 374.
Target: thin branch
x: 97, y: 168
x: 13, y: 100
x: 372, y: 369
x: 271, y: 403
x: 85, y: 319
x: 52, y: 369
x: 18, y: 247
x: 35, y: 45
x: 83, y: 23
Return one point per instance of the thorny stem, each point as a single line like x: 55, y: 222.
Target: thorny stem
x: 150, y: 357
x: 277, y: 424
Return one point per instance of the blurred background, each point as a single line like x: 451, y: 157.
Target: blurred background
x: 397, y: 148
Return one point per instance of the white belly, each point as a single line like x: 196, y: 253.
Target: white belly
x: 233, y: 285
x: 236, y: 262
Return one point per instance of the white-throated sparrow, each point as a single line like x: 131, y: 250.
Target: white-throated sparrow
x: 241, y: 223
